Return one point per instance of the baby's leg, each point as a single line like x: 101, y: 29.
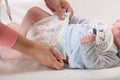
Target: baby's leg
x: 33, y: 15
x: 88, y: 38
x: 15, y: 27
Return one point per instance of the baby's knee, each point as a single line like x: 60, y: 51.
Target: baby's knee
x: 32, y: 10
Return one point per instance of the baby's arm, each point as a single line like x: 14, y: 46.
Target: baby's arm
x: 94, y: 59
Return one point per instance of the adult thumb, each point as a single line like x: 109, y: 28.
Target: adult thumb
x: 60, y: 13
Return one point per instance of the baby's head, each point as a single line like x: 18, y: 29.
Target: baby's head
x: 116, y: 33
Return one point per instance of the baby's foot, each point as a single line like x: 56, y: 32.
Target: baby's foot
x: 88, y: 38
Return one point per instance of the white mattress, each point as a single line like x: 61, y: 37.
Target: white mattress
x: 66, y: 74
x: 105, y: 10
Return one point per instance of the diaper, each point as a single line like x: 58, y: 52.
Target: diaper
x: 53, y: 31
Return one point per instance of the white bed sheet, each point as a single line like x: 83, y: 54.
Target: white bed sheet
x: 105, y: 10
x: 67, y: 74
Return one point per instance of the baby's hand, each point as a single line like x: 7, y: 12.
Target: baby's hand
x: 88, y: 38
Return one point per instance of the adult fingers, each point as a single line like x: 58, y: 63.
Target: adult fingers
x: 54, y: 63
x: 52, y: 9
x: 71, y: 12
x: 53, y: 60
x: 60, y: 13
x: 57, y: 56
x: 58, y: 62
x: 68, y: 8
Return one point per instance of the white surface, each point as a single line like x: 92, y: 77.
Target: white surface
x: 66, y: 74
x: 106, y: 10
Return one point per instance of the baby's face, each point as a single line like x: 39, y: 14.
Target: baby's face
x: 116, y: 33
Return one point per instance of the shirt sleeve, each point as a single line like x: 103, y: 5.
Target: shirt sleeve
x: 94, y: 59
x: 8, y: 36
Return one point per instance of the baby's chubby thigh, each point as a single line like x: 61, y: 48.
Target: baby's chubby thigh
x: 17, y: 28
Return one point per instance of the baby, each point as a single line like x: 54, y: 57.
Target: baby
x: 83, y: 43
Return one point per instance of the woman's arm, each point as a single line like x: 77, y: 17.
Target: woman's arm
x: 8, y: 36
x: 42, y: 52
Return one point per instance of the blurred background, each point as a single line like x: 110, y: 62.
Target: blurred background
x: 105, y: 10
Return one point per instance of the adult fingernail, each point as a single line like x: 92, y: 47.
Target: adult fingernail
x: 63, y: 17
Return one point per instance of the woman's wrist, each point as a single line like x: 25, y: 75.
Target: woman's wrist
x: 23, y: 45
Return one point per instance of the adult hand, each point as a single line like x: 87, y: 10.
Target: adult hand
x: 46, y: 55
x: 42, y: 52
x: 58, y: 6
